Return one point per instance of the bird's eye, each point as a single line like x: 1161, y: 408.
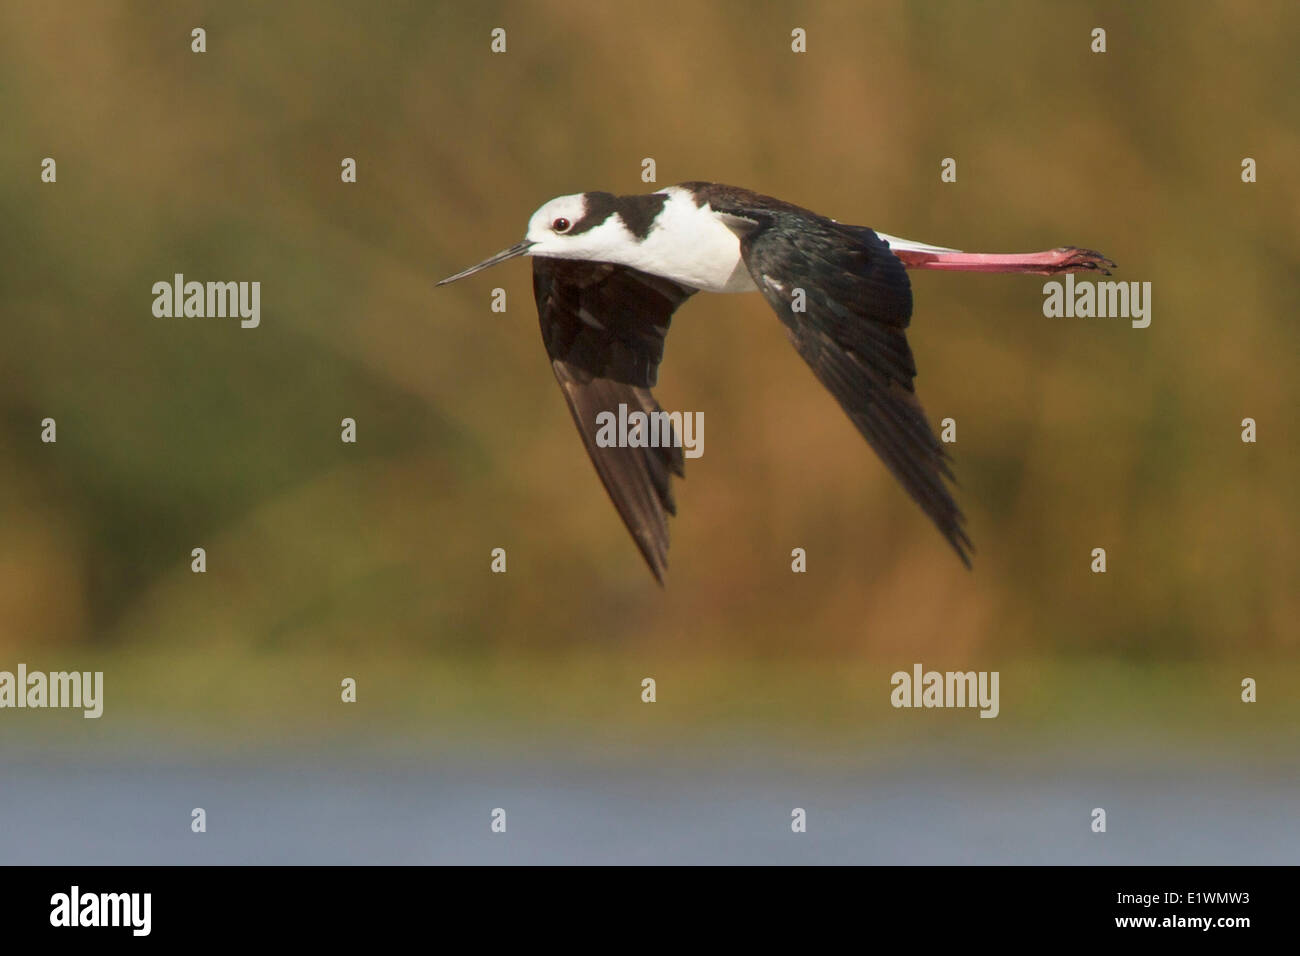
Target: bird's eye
x: 561, y: 225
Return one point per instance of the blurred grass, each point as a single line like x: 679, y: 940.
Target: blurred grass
x: 1073, y: 434
x: 588, y: 702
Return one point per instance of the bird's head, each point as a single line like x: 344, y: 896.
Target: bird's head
x: 561, y: 228
x: 567, y: 227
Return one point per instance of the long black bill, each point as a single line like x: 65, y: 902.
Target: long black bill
x: 518, y: 249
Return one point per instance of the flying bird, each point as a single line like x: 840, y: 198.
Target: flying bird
x: 609, y: 272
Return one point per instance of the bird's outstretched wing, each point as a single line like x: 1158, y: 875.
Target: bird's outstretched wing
x: 604, y: 327
x: 845, y: 300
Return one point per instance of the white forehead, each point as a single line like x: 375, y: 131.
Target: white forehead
x: 571, y: 208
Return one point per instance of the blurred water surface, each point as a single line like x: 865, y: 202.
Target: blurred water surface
x: 561, y: 809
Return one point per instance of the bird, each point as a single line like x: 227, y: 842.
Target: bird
x: 610, y: 271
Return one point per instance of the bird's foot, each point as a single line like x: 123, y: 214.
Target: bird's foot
x: 1074, y: 259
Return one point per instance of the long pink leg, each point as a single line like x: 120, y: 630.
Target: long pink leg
x: 1065, y: 259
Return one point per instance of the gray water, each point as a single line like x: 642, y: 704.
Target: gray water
x: 338, y: 809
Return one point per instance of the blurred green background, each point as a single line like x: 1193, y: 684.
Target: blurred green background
x: 372, y: 560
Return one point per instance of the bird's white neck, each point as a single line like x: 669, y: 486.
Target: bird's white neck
x: 687, y: 243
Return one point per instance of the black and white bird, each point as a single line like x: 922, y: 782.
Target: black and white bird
x: 610, y: 271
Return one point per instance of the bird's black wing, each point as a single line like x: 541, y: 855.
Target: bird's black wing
x: 857, y: 302
x: 604, y: 327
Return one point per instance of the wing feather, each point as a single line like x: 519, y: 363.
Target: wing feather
x: 856, y: 306
x: 604, y: 326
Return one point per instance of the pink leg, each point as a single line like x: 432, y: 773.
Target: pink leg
x: 1065, y: 259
